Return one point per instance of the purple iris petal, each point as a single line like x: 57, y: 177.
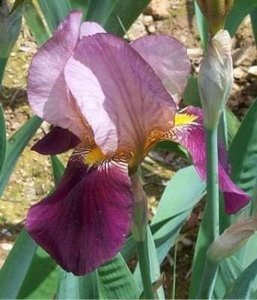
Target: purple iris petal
x: 57, y: 141
x: 86, y: 220
x: 48, y: 93
x: 117, y: 92
x: 168, y: 57
x: 191, y: 136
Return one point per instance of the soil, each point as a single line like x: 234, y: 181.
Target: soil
x: 32, y: 179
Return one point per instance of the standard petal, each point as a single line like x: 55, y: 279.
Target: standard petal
x: 48, y: 94
x: 90, y: 28
x: 86, y: 220
x: 118, y: 93
x: 189, y: 132
x: 168, y: 57
x: 57, y: 141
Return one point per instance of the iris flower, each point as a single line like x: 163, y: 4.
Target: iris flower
x: 112, y: 101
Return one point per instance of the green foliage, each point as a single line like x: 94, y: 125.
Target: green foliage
x: 254, y: 23
x: 15, y: 268
x: 3, y: 141
x: 243, y: 152
x: 202, y: 26
x: 244, y: 287
x: 229, y: 270
x: 10, y: 26
x: 154, y: 266
x: 41, y: 278
x: 182, y: 193
x: 116, y: 11
x: 82, y: 287
x: 238, y: 12
x: 58, y: 169
x: 15, y: 146
x: 116, y: 280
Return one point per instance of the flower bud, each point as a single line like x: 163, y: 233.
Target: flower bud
x: 215, y: 78
x: 232, y: 239
x: 215, y: 12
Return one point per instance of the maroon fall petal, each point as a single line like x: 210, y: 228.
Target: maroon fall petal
x: 57, y: 141
x: 86, y: 220
x: 191, y: 136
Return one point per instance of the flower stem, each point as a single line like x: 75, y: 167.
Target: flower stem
x: 139, y: 232
x: 212, y: 212
x: 223, y: 129
x: 212, y: 208
x: 143, y: 259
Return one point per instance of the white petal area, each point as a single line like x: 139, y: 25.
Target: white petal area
x: 90, y: 28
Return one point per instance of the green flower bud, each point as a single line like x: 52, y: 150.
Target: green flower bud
x: 215, y: 78
x: 215, y: 12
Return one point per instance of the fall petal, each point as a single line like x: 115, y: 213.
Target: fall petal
x: 168, y: 57
x: 191, y: 135
x: 85, y: 221
x: 48, y: 94
x: 117, y: 92
x: 57, y: 141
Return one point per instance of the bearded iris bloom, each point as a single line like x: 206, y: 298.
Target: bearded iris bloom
x: 112, y: 101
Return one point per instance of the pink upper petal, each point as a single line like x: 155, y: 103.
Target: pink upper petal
x: 191, y: 136
x: 117, y: 92
x: 48, y: 94
x: 86, y: 220
x: 90, y: 28
x: 168, y: 57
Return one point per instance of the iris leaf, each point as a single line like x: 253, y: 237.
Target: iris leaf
x: 238, y: 12
x: 15, y: 146
x: 14, y: 270
x: 110, y: 13
x: 58, y: 169
x: 41, y: 279
x: 10, y: 26
x: 243, y: 152
x: 36, y: 22
x: 3, y: 141
x: 254, y: 23
x: 201, y: 25
x: 116, y: 280
x: 74, y: 287
x: 244, y: 287
x: 229, y: 270
x: 182, y: 193
x: 54, y: 11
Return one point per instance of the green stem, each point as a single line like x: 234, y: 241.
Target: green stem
x: 139, y: 232
x: 212, y: 211
x: 212, y: 208
x: 143, y: 259
x: 223, y: 129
